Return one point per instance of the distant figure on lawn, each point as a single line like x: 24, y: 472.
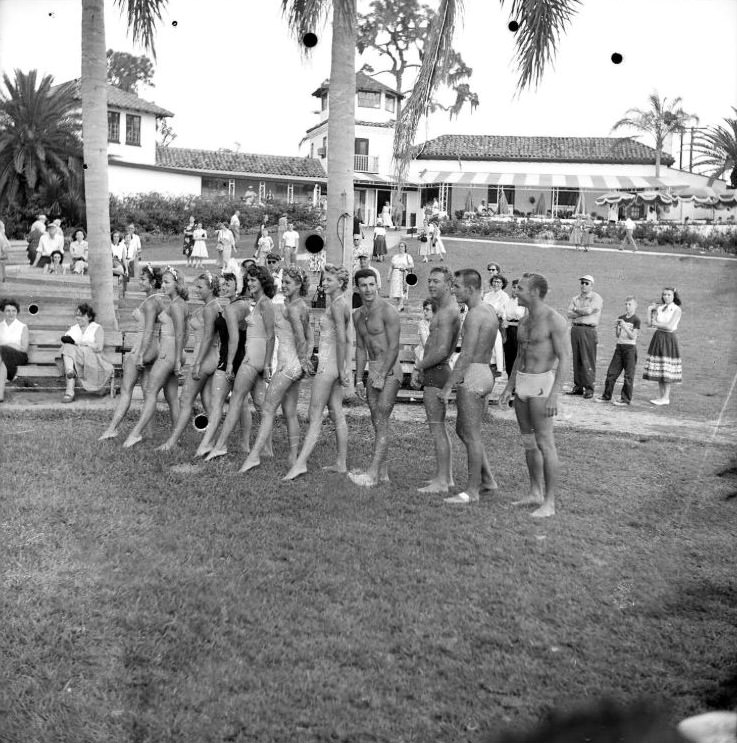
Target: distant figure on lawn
x: 235, y: 224
x: 289, y: 244
x: 663, y: 363
x: 535, y: 382
x: 433, y: 371
x: 629, y: 234
x: 475, y: 381
x: 584, y: 311
x: 377, y: 342
x: 627, y: 328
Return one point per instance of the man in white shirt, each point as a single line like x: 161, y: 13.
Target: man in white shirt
x: 235, y: 224
x: 288, y: 244
x: 629, y: 234
x: 132, y: 250
x: 47, y: 244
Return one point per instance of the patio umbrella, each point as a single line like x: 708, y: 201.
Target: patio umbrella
x: 700, y: 195
x: 541, y: 206
x: 656, y: 197
x: 727, y: 199
x: 503, y: 205
x: 581, y: 204
x: 615, y: 197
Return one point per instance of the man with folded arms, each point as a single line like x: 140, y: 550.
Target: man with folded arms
x: 584, y: 311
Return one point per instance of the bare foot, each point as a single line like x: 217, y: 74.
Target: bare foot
x: 489, y: 486
x: 384, y: 477
x: 215, y: 453
x: 530, y: 500
x: 268, y: 450
x: 295, y: 472
x: 463, y: 498
x: 544, y: 511
x: 363, y: 479
x: 166, y: 446
x: 202, y: 452
x: 250, y: 464
x: 111, y: 433
x: 336, y: 468
x: 434, y: 487
x: 132, y: 441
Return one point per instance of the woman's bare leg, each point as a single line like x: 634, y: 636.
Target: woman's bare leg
x: 192, y: 388
x: 289, y: 408
x: 3, y: 379
x: 161, y: 371
x: 131, y: 373
x: 220, y: 386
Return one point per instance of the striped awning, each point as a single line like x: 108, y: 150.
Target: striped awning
x: 538, y: 181
x: 371, y: 178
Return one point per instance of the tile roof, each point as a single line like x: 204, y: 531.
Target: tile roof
x: 545, y: 149
x: 363, y: 82
x: 121, y: 99
x: 223, y: 161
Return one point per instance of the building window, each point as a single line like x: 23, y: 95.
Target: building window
x: 290, y: 193
x: 369, y: 99
x: 261, y: 192
x: 312, y: 149
x: 324, y: 102
x: 231, y: 188
x: 113, y: 126
x: 133, y: 130
x: 390, y: 103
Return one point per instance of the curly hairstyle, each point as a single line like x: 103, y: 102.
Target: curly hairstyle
x: 339, y: 272
x: 154, y: 275
x: 9, y: 302
x: 264, y: 278
x: 86, y: 309
x: 212, y: 283
x: 299, y: 275
x: 501, y: 278
x: 178, y: 277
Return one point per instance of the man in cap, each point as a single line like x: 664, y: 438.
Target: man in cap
x: 584, y: 311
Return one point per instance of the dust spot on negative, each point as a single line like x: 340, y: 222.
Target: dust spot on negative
x: 309, y: 40
x: 175, y: 23
x: 513, y: 26
x: 617, y: 58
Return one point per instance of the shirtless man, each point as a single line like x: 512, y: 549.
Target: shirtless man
x: 541, y: 365
x: 474, y: 381
x: 377, y: 341
x: 433, y: 371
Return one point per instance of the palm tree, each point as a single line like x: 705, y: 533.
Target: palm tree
x: 39, y: 136
x: 717, y: 149
x: 660, y: 120
x: 304, y: 16
x: 143, y: 16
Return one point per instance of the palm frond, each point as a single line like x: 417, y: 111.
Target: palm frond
x: 305, y: 16
x: 542, y: 23
x: 435, y: 60
x: 142, y: 18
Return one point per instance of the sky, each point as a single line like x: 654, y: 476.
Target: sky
x: 234, y: 77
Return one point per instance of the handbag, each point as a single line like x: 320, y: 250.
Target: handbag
x: 318, y: 298
x: 68, y: 339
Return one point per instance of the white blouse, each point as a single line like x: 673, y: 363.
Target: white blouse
x: 11, y: 335
x: 84, y: 336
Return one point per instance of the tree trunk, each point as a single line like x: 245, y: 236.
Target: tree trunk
x: 341, y: 137
x: 94, y: 135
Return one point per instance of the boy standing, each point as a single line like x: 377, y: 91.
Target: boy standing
x: 624, y: 359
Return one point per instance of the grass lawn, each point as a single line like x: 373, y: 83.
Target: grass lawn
x: 140, y: 604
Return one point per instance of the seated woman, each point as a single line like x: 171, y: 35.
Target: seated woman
x: 81, y: 351
x: 56, y: 266
x: 79, y: 252
x: 13, y: 344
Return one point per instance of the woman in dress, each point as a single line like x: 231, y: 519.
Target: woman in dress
x: 379, y: 241
x: 386, y: 215
x: 225, y: 245
x: 425, y: 246
x: 188, y: 245
x: 256, y: 366
x: 81, y: 352
x: 576, y: 236
x: 401, y: 264
x: 498, y: 300
x: 436, y: 244
x: 231, y: 350
x: 663, y: 364
x: 79, y: 252
x: 13, y: 344
x: 137, y: 366
x: 199, y: 250
x: 206, y: 354
x: 293, y: 331
x: 264, y: 246
x: 333, y: 372
x: 172, y: 313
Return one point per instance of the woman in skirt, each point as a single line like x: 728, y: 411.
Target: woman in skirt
x: 379, y: 241
x: 663, y: 363
x: 199, y: 251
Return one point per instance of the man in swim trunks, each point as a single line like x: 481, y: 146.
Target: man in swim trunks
x: 474, y: 381
x: 535, y: 380
x: 433, y: 371
x: 377, y: 341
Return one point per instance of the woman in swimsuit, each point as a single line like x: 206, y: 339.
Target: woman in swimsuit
x: 293, y: 360
x: 206, y: 355
x: 256, y: 366
x: 333, y: 372
x: 167, y: 368
x: 232, y: 340
x: 138, y: 362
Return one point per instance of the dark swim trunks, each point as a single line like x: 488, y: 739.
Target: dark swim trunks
x: 436, y: 376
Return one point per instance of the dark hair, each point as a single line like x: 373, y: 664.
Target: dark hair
x: 264, y: 278
x: 229, y: 276
x: 86, y: 309
x: 471, y: 278
x: 298, y: 274
x: 496, y: 265
x: 537, y: 281
x: 213, y: 285
x: 154, y: 275
x: 9, y: 302
x: 60, y: 254
x: 676, y: 298
x: 79, y: 229
x: 501, y: 278
x: 431, y: 302
x: 515, y: 282
x: 363, y: 273
x: 248, y: 263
